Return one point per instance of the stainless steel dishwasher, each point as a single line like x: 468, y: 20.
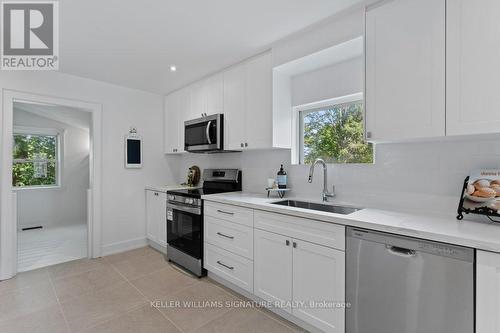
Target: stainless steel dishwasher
x: 397, y: 284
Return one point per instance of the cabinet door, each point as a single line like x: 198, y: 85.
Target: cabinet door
x: 162, y: 220
x: 259, y: 104
x: 273, y: 268
x: 171, y: 123
x: 184, y: 114
x: 405, y: 70
x: 152, y: 215
x: 487, y: 292
x: 197, y: 104
x: 234, y: 108
x: 473, y: 67
x: 318, y: 276
x: 214, y: 92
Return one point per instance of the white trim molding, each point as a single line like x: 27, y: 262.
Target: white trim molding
x: 8, y: 222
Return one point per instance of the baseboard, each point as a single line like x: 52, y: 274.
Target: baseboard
x: 124, y: 246
x: 157, y: 247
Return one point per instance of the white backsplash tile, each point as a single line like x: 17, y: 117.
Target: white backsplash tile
x: 424, y: 176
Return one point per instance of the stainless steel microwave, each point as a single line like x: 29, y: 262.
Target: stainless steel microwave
x: 204, y: 134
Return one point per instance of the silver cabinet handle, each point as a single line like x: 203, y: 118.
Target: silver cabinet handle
x: 224, y: 212
x: 228, y: 267
x: 287, y: 242
x: 221, y: 234
x: 208, y: 132
x: 294, y: 244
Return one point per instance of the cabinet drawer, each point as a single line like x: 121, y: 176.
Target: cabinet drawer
x: 229, y: 266
x: 323, y: 233
x: 230, y: 236
x: 229, y: 213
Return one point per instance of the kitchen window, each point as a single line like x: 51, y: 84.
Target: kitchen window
x: 35, y: 158
x: 334, y: 131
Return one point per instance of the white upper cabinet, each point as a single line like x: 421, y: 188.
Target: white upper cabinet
x: 197, y: 100
x: 176, y: 105
x: 214, y: 94
x: 206, y: 96
x: 242, y: 93
x: 234, y: 108
x: 171, y: 118
x: 248, y: 104
x: 473, y: 67
x: 259, y: 103
x: 405, y: 70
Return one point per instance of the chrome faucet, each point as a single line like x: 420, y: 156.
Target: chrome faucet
x: 325, y: 195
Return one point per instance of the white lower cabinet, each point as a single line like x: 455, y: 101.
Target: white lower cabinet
x: 156, y: 217
x: 319, y: 283
x: 298, y: 265
x: 487, y: 292
x: 229, y: 266
x: 273, y: 268
x: 302, y: 278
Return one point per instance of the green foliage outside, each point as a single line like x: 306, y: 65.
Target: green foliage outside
x: 336, y: 135
x: 35, y: 159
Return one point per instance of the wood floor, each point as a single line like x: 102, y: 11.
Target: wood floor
x: 134, y: 291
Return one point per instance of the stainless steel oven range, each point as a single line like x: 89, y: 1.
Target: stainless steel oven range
x: 185, y: 217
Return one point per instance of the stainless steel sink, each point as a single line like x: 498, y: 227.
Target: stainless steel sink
x: 345, y: 210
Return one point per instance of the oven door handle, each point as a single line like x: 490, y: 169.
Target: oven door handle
x: 192, y: 210
x: 207, y: 132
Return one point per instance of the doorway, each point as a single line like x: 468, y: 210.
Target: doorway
x: 51, y: 176
x: 52, y: 193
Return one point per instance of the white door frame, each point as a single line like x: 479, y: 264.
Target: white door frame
x: 8, y: 221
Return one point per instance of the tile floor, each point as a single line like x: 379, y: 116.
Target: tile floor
x: 114, y: 294
x: 49, y: 246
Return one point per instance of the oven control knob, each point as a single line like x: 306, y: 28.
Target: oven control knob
x: 189, y: 201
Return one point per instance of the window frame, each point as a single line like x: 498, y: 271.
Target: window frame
x: 37, y: 131
x: 298, y: 122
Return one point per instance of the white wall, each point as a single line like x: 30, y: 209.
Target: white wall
x: 123, y: 189
x: 338, y: 80
x: 64, y: 205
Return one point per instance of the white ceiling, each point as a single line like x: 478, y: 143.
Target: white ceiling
x: 63, y: 114
x: 133, y: 43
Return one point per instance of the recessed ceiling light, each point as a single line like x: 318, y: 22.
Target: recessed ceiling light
x: 173, y: 68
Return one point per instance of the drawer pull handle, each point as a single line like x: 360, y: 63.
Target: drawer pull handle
x: 221, y: 234
x: 229, y: 267
x: 224, y: 212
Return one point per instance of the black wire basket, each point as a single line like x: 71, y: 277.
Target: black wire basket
x: 482, y: 210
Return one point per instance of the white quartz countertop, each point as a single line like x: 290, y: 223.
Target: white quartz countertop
x: 447, y: 229
x: 165, y: 188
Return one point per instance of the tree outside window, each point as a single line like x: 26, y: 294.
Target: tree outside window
x: 35, y: 160
x: 335, y: 134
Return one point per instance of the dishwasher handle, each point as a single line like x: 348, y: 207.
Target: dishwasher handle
x: 401, y: 251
